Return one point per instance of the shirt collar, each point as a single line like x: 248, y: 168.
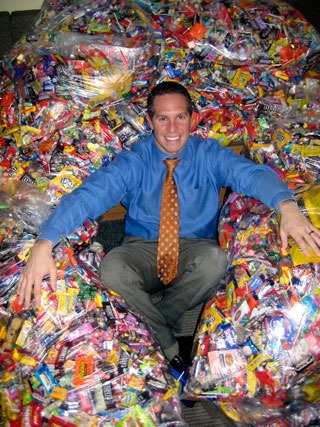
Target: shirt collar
x: 160, y: 155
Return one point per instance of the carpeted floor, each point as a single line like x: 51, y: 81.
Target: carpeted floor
x: 110, y: 234
x: 205, y: 414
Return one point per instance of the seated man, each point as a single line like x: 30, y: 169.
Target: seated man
x: 187, y: 264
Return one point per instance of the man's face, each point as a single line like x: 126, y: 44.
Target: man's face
x: 171, y: 123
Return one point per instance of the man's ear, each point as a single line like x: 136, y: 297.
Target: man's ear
x: 149, y: 120
x: 195, y: 119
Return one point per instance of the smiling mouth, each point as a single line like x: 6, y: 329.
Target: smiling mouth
x: 172, y: 138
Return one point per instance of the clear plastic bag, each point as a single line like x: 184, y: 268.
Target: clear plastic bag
x: 83, y: 357
x: 265, y: 33
x: 257, y: 343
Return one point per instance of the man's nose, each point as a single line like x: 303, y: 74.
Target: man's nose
x: 172, y: 125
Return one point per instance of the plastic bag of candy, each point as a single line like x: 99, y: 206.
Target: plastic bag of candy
x: 284, y: 133
x: 82, y: 358
x: 257, y: 342
x: 65, y: 94
x: 271, y: 34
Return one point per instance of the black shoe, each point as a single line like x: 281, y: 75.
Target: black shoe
x: 178, y: 364
x: 179, y: 370
x: 185, y: 348
x: 188, y: 403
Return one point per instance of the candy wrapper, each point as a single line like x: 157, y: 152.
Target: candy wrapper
x: 257, y: 344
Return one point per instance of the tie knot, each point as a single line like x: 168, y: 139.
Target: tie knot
x: 171, y: 164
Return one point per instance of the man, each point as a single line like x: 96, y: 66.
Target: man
x: 135, y: 178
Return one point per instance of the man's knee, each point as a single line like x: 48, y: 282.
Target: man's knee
x: 111, y: 268
x: 216, y: 260
x: 210, y: 263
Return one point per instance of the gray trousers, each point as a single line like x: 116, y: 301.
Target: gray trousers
x: 131, y: 271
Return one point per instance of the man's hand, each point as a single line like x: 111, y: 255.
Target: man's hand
x: 39, y: 265
x: 295, y: 224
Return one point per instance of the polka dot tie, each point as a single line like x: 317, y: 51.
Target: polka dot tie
x: 168, y: 243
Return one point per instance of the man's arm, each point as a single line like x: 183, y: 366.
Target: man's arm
x: 40, y: 264
x: 97, y: 194
x: 293, y: 223
x: 262, y: 183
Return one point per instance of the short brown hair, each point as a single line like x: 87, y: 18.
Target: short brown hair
x: 165, y: 88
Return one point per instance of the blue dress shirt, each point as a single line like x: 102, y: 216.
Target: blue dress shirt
x: 135, y: 179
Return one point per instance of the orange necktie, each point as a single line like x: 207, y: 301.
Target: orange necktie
x: 168, y: 244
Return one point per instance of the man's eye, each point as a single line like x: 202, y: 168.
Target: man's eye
x: 182, y: 116
x: 162, y: 119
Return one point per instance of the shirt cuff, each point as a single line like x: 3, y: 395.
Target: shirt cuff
x: 282, y: 198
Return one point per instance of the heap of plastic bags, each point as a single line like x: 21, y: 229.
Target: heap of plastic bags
x: 257, y: 347
x: 72, y: 95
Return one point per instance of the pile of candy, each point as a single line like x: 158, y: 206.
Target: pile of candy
x: 73, y: 90
x: 72, y: 95
x: 63, y: 107
x: 83, y: 358
x: 238, y: 32
x: 257, y: 347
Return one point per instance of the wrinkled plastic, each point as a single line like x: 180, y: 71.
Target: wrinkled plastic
x: 83, y: 357
x: 267, y: 34
x: 256, y: 349
x: 73, y: 95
